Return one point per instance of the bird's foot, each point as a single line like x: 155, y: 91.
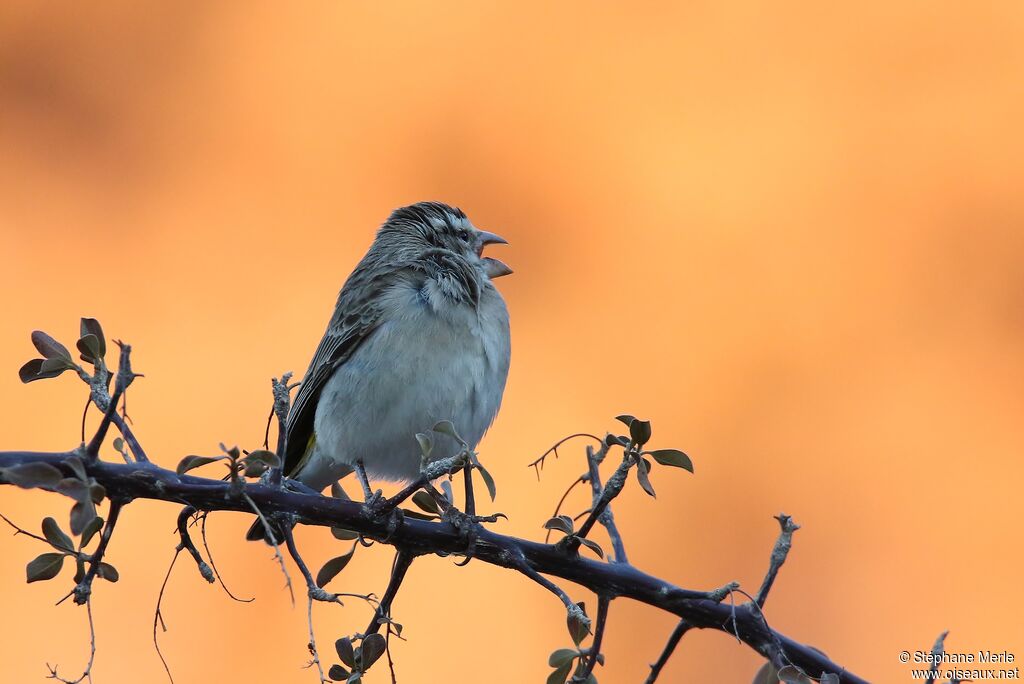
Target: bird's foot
x: 379, y: 510
x: 468, y: 527
x: 298, y: 487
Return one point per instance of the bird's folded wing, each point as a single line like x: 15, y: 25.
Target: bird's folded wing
x: 357, y: 316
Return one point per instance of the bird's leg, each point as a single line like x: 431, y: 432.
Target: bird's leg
x: 369, y: 497
x: 470, y: 499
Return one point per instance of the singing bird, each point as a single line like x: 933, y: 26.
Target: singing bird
x: 419, y: 335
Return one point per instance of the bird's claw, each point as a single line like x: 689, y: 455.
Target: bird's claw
x: 377, y: 510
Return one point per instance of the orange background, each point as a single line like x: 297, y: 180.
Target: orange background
x: 790, y: 235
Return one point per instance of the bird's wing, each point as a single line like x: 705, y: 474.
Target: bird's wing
x: 357, y: 315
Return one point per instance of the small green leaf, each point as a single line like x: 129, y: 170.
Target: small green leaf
x: 337, y: 673
x: 32, y: 475
x: 562, y: 523
x: 33, y: 370
x: 264, y: 456
x: 794, y: 675
x: 488, y: 481
x: 672, y: 457
x: 640, y: 431
x: 592, y: 545
x: 642, y: 468
x: 44, y: 567
x: 190, y: 462
x: 50, y: 348
x: 612, y: 440
x: 56, y: 536
x: 426, y: 502
x: 79, y: 570
x: 255, y: 468
x: 332, y: 567
x: 54, y: 367
x: 766, y: 674
x: 626, y: 419
x: 118, y: 444
x: 560, y: 674
x: 562, y: 656
x: 344, y: 648
x: 108, y: 572
x: 91, y: 528
x: 97, y: 492
x: 77, y: 467
x: 74, y: 488
x: 373, y: 647
x: 89, y: 348
x: 90, y: 326
x: 426, y: 444
x: 446, y: 489
x: 343, y: 534
x: 445, y: 427
x: 82, y: 513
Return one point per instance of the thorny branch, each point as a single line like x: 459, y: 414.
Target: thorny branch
x: 147, y: 481
x: 458, y: 532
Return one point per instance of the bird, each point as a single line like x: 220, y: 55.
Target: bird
x: 419, y: 335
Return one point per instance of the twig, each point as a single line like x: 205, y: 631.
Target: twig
x: 778, y: 557
x: 87, y: 674
x: 586, y: 665
x: 682, y: 628
x: 403, y: 559
x: 610, y: 490
x: 523, y: 566
x: 312, y: 640
x: 273, y: 542
x: 558, y: 507
x: 606, y: 517
x: 85, y: 412
x: 158, y: 616
x: 83, y: 590
x: 281, y: 407
x: 937, y: 651
x: 539, y: 463
x: 313, y: 593
x: 19, y: 530
x: 213, y: 564
x: 187, y: 544
x: 100, y: 396
x: 125, y: 376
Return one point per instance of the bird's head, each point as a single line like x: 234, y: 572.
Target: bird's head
x: 425, y: 226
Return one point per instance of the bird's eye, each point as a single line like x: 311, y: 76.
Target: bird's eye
x: 463, y: 234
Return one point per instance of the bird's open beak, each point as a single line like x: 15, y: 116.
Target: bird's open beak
x: 493, y: 267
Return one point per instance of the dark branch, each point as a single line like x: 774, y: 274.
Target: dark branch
x: 187, y: 544
x: 147, y: 481
x: 587, y: 664
x: 682, y: 628
x: 83, y: 590
x: 403, y: 559
x: 778, y: 557
x: 606, y: 518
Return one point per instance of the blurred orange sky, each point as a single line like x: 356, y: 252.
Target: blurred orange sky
x: 790, y: 235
